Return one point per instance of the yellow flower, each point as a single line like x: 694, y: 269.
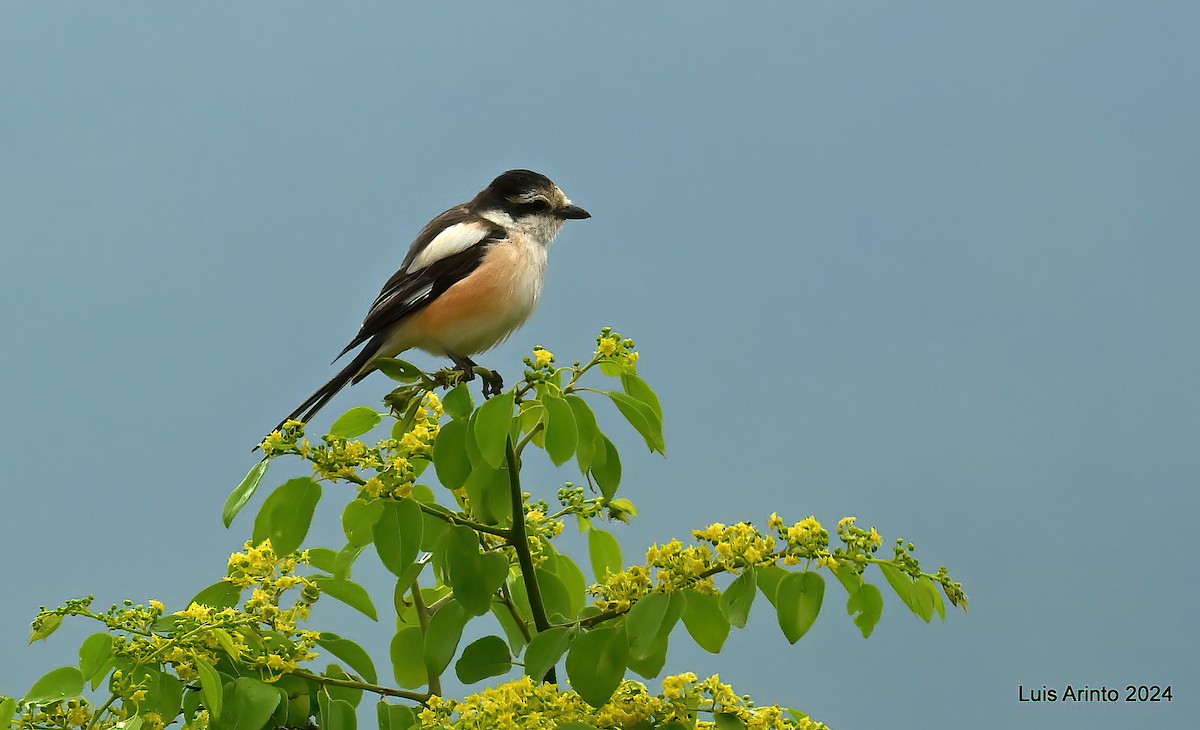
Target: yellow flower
x: 607, y: 346
x: 158, y: 606
x: 542, y: 357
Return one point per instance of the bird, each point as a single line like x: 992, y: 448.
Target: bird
x: 472, y: 276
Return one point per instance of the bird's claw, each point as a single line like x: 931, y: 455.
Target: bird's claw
x: 492, y: 382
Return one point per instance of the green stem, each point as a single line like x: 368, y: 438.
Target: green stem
x: 423, y: 613
x: 456, y: 520
x: 506, y: 597
x: 367, y: 686
x: 519, y: 539
x: 96, y: 718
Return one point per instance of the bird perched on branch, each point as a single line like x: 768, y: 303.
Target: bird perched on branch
x: 472, y: 276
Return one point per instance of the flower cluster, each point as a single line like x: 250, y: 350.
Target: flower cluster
x: 575, y: 501
x: 528, y: 705
x: 738, y: 546
x: 76, y: 712
x: 614, y: 350
x: 859, y: 544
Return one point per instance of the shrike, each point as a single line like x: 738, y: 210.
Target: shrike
x: 470, y: 279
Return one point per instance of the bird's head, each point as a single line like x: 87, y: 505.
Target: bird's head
x: 527, y: 201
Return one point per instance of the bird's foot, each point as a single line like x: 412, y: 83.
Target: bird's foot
x: 492, y: 382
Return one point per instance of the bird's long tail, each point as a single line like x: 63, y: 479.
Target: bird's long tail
x: 306, y: 410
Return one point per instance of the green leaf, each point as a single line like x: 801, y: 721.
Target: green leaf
x: 555, y: 596
x: 407, y: 652
x: 931, y: 595
x: 646, y: 623
x: 218, y: 595
x: 398, y: 370
x: 544, y: 651
x: 442, y: 636
x: 55, y: 685
x: 579, y: 726
x: 355, y: 422
x: 596, y: 663
x: 643, y: 418
x: 396, y: 717
x: 640, y: 390
x: 244, y: 491
x: 704, y: 621
x: 850, y: 578
x: 902, y: 584
x: 475, y: 578
x: 483, y: 658
x: 358, y: 521
x: 351, y: 653
x: 94, y: 657
x: 458, y: 402
x: 336, y: 713
x: 44, y: 627
x: 728, y: 721
x: 349, y: 593
x: 493, y: 421
x: 768, y: 577
x: 322, y: 558
x: 739, y: 597
x: 512, y: 630
x: 587, y: 431
x: 210, y: 687
x: 607, y: 471
x: 248, y: 704
x: 605, y: 553
x: 287, y: 514
x: 8, y: 708
x: 867, y: 602
x: 571, y: 577
x: 398, y: 535
x: 561, y: 433
x: 798, y: 601
x: 351, y: 695
x: 450, y: 455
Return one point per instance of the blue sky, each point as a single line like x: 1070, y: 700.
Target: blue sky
x: 934, y: 266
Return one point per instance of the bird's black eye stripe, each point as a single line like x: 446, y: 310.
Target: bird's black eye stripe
x: 537, y: 206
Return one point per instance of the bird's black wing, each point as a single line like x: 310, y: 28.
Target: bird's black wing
x: 445, y: 252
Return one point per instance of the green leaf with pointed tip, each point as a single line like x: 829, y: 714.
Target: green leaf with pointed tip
x: 768, y: 577
x: 94, y: 656
x: 450, y: 455
x: 561, y: 432
x: 608, y: 471
x: 646, y: 623
x: 512, y: 630
x: 398, y: 370
x: 867, y: 602
x: 474, y: 577
x: 931, y: 595
x: 55, y: 685
x: 398, y: 535
x: 355, y: 422
x: 798, y: 601
x: 850, y: 578
x: 287, y: 514
x: 493, y: 422
x: 640, y: 390
x: 587, y: 431
x: 596, y: 663
x: 704, y: 621
x: 643, y: 418
x: 458, y: 402
x: 571, y: 576
x: 210, y: 687
x: 351, y: 653
x: 483, y: 658
x: 739, y: 597
x: 544, y: 651
x: 555, y: 595
x: 244, y: 491
x: 902, y: 584
x: 605, y: 553
x: 358, y: 521
x: 44, y: 627
x: 442, y: 636
x: 349, y: 593
x: 407, y: 653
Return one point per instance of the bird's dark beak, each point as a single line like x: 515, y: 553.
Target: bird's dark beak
x: 574, y: 212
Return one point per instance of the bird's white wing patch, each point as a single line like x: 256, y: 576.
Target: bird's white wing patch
x: 454, y: 239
